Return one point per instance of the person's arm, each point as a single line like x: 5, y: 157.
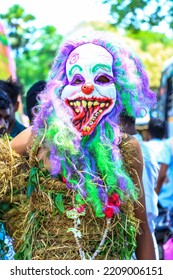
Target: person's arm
x: 145, y: 247
x: 162, y: 177
x: 22, y: 141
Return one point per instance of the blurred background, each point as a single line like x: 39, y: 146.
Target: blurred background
x: 31, y: 32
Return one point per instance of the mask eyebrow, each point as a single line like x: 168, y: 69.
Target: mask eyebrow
x: 102, y: 66
x: 72, y: 69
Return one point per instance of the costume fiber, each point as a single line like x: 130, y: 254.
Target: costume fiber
x: 82, y: 205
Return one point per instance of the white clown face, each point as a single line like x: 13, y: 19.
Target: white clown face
x: 90, y: 92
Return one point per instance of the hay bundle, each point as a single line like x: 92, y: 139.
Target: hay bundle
x: 46, y: 232
x: 12, y: 172
x: 45, y: 223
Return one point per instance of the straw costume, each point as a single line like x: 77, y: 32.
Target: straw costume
x: 81, y: 204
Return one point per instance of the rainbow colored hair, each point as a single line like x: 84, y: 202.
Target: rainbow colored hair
x: 93, y: 165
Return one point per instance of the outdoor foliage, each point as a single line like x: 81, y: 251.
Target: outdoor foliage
x: 34, y: 49
x: 20, y: 28
x: 35, y: 63
x: 134, y: 14
x: 153, y: 48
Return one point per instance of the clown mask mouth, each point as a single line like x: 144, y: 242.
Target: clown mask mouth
x: 88, y: 112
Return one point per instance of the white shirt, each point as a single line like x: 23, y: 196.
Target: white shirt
x: 149, y: 178
x: 166, y: 157
x: 156, y: 145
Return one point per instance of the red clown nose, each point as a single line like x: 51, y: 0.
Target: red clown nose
x: 87, y: 88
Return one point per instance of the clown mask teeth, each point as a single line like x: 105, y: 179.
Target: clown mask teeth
x: 86, y: 128
x: 88, y: 112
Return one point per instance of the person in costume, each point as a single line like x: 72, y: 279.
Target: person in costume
x: 83, y: 188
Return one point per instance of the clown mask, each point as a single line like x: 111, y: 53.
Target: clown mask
x: 90, y: 92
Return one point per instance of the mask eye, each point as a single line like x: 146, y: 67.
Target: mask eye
x: 77, y: 80
x: 104, y: 79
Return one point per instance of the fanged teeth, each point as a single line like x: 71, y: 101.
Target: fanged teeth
x: 95, y: 116
x: 78, y: 103
x: 86, y: 128
x: 96, y: 103
x: 84, y: 103
x: 88, y: 104
x: 102, y: 105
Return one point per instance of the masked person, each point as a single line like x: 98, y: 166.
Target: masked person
x: 84, y: 193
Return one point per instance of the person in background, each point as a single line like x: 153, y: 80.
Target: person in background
x: 156, y: 134
x: 165, y: 179
x: 4, y: 112
x: 13, y: 89
x: 162, y: 150
x: 5, y: 240
x: 31, y: 98
x: 149, y: 177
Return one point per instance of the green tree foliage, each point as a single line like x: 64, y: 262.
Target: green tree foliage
x: 36, y: 62
x: 134, y: 14
x: 148, y: 37
x: 19, y: 27
x: 153, y: 49
x: 34, y: 49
